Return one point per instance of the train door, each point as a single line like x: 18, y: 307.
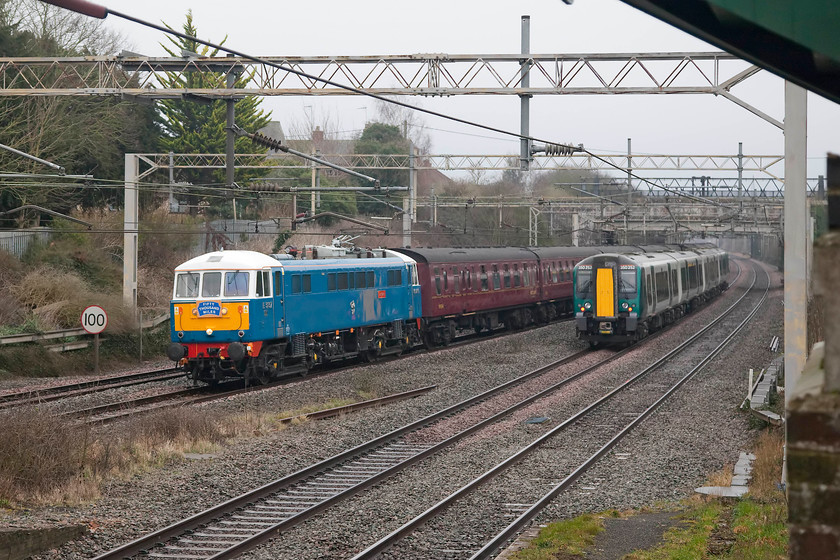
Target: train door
x: 280, y: 327
x: 605, y: 282
x: 262, y: 307
x: 414, y: 303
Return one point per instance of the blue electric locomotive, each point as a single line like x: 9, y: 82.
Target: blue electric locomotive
x: 250, y: 315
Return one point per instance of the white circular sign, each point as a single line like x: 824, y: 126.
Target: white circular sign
x: 94, y: 319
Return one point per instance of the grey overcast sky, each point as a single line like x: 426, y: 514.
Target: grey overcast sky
x: 658, y: 124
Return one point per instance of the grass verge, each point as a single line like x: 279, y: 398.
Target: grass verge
x: 753, y: 528
x: 564, y: 539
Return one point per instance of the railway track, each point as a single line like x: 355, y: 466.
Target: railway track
x: 226, y: 530
x: 482, y: 507
x: 39, y: 395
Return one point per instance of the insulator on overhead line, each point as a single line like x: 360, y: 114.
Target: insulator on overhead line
x: 266, y: 141
x: 562, y: 149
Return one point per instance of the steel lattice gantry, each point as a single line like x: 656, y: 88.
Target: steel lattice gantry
x: 767, y: 165
x: 436, y: 74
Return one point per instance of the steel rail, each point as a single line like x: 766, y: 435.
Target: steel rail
x: 199, y: 519
x: 44, y: 394
x: 412, y: 525
x: 526, y: 517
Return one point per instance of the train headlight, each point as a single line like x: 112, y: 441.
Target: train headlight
x: 209, y: 332
x: 624, y: 305
x: 587, y: 305
x: 224, y: 311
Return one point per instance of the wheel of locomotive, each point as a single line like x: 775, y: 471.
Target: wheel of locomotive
x: 593, y: 344
x: 429, y: 340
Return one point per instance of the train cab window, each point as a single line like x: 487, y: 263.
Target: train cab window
x: 370, y: 280
x: 360, y: 281
x: 211, y: 285
x: 507, y: 276
x: 263, y: 284
x: 483, y: 276
x: 584, y: 284
x: 395, y: 277
x: 516, y: 280
x: 437, y: 281
x: 626, y: 282
x: 186, y: 284
x: 236, y: 283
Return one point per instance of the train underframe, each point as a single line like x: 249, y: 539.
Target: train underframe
x: 271, y: 359
x: 627, y: 329
x: 441, y: 331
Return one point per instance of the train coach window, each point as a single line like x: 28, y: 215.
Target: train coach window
x: 526, y: 276
x: 296, y: 284
x: 341, y: 280
x: 445, y: 281
x: 554, y: 277
x: 507, y: 276
x: 360, y: 281
x: 516, y: 280
x: 483, y: 276
x: 212, y: 284
x: 370, y: 280
x: 437, y: 281
x: 307, y: 283
x: 331, y: 281
x: 456, y: 280
x: 186, y: 285
x: 661, y: 285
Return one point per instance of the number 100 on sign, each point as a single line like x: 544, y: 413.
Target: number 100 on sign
x: 94, y: 319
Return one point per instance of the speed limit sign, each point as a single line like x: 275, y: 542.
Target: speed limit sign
x: 94, y: 319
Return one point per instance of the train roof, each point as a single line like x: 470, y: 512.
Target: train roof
x: 252, y: 260
x: 457, y: 255
x: 229, y: 260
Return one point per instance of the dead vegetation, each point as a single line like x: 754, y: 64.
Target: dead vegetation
x: 46, y: 459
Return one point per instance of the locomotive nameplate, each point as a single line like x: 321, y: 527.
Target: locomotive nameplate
x: 209, y: 309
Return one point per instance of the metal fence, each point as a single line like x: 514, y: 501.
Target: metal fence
x: 17, y: 242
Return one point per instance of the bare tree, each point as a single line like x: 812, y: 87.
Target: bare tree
x: 408, y: 121
x: 54, y: 28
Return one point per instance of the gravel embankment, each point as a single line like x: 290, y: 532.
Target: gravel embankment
x: 695, y: 433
